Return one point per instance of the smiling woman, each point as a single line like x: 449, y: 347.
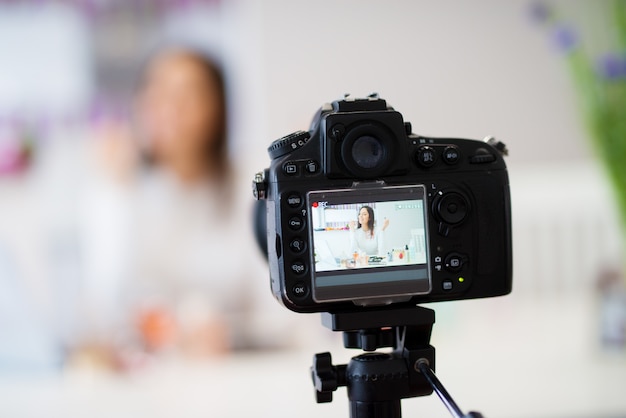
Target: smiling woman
x: 364, y: 237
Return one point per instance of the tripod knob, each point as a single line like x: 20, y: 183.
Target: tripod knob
x: 323, y: 397
x: 326, y: 377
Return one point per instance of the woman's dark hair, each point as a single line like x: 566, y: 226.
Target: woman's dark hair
x: 370, y: 221
x: 217, y: 149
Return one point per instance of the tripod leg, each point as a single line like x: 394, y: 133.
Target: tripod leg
x: 387, y: 409
x: 443, y: 394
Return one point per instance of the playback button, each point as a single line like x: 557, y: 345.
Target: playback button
x: 291, y: 168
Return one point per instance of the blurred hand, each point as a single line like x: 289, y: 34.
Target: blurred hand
x: 115, y: 150
x: 352, y: 225
x: 385, y: 224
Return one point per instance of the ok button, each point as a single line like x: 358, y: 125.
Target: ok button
x: 300, y: 290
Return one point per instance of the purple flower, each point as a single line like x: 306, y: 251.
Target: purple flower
x: 565, y: 38
x: 612, y: 66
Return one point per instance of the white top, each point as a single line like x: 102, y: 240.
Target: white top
x: 165, y: 243
x: 361, y: 241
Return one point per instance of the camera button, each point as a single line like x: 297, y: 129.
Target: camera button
x: 454, y: 262
x: 298, y: 267
x: 297, y: 245
x: 451, y: 155
x: 447, y: 285
x: 294, y: 200
x: 290, y: 168
x: 300, y: 290
x: 296, y: 223
x: 426, y: 156
x: 312, y: 167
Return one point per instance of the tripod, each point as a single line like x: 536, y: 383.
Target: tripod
x: 377, y: 381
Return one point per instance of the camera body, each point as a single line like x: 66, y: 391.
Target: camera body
x: 363, y: 213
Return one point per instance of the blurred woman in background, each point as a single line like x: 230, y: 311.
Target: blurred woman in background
x: 175, y: 231
x: 182, y: 115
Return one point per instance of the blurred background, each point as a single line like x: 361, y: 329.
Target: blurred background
x: 130, y: 284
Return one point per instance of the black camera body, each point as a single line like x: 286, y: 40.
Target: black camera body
x: 363, y: 213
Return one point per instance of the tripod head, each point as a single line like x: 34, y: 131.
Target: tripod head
x: 377, y: 381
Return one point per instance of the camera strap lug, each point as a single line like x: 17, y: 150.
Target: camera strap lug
x: 259, y: 186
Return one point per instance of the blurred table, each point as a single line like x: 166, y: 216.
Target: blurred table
x: 517, y: 356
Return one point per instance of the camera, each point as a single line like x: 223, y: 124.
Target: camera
x: 360, y: 212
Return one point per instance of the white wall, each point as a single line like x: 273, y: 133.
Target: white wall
x: 466, y: 69
x: 44, y: 60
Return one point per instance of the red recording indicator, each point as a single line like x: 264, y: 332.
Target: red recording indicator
x: 315, y: 204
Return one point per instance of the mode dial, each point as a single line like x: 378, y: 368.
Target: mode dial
x: 288, y: 143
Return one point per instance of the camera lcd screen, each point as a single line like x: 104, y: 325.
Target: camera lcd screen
x: 369, y: 243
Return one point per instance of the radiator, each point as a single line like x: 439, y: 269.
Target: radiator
x: 565, y: 228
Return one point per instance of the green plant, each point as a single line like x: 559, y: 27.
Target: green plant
x: 596, y: 59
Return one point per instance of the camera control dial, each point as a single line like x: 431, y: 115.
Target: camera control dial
x: 288, y: 143
x: 452, y: 208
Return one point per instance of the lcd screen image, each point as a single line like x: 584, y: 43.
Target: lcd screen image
x: 363, y: 240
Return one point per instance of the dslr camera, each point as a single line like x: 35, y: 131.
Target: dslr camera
x: 360, y: 212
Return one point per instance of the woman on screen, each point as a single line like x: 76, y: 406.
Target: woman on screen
x: 364, y: 237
